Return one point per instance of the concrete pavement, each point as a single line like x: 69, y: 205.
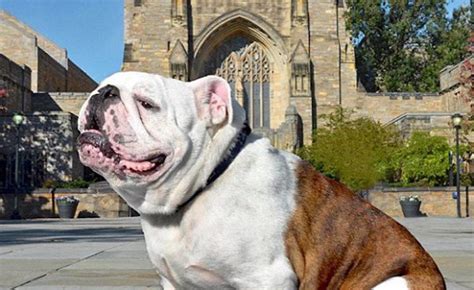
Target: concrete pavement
x: 71, y: 254
x: 450, y: 241
x: 110, y: 253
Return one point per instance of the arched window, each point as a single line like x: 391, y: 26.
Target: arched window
x: 244, y: 64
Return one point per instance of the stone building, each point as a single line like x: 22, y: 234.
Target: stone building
x: 51, y: 69
x: 31, y: 69
x: 288, y: 62
x: 276, y: 54
x: 434, y: 116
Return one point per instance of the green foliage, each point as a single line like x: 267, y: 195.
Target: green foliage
x: 467, y: 179
x: 423, y: 161
x: 76, y: 183
x: 353, y: 151
x: 404, y: 44
x: 361, y: 152
x: 48, y: 183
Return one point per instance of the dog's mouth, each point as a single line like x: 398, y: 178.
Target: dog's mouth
x: 97, y: 152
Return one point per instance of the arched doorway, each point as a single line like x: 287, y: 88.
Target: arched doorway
x: 245, y: 65
x: 227, y: 46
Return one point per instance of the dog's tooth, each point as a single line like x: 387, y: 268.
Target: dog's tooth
x: 140, y: 166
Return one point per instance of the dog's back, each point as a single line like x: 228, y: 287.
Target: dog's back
x: 335, y: 240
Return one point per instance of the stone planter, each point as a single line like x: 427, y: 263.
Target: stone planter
x: 411, y: 208
x: 67, y: 209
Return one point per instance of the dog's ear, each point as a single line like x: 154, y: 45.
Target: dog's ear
x: 213, y: 100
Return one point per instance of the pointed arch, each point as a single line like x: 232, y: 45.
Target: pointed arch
x: 221, y: 48
x: 234, y: 23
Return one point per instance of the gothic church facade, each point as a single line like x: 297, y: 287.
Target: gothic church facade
x: 277, y: 55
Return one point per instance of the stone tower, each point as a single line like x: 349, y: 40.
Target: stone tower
x: 274, y: 53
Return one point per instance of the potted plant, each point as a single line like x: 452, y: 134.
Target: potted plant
x: 67, y: 206
x: 411, y: 206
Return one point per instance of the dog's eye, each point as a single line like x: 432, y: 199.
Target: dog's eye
x: 146, y: 105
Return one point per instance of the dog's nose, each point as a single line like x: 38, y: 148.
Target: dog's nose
x: 96, y: 109
x: 109, y: 91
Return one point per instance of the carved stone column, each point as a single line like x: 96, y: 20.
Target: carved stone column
x: 299, y: 12
x: 178, y: 12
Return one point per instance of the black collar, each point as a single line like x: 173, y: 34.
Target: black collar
x: 234, y: 151
x: 237, y: 146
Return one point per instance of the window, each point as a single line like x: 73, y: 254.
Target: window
x: 246, y: 67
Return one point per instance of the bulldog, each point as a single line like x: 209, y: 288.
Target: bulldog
x: 222, y: 209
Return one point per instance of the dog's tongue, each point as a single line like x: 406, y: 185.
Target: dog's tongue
x: 136, y: 166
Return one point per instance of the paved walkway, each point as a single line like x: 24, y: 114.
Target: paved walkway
x: 110, y: 253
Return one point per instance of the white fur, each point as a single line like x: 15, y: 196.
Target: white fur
x: 234, y: 229
x: 395, y: 283
x: 232, y: 234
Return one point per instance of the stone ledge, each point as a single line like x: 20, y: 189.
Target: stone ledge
x: 403, y: 95
x: 40, y: 203
x: 435, y: 201
x: 405, y: 189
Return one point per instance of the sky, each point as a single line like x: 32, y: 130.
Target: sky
x: 90, y: 30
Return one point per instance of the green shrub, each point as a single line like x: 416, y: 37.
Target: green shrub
x: 76, y: 183
x: 423, y: 161
x: 354, y: 151
x: 361, y: 153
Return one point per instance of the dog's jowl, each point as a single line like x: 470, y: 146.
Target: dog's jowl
x: 222, y: 209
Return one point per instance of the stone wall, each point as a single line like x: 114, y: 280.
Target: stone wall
x: 289, y: 135
x: 19, y: 45
x: 60, y: 101
x: 16, y: 80
x: 436, y: 124
x: 52, y: 76
x: 325, y: 54
x: 49, y: 137
x: 435, y: 201
x: 78, y: 80
x: 48, y: 62
x: 384, y: 107
x: 151, y: 41
x: 39, y: 203
x: 104, y: 202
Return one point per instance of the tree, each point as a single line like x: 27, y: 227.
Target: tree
x: 402, y: 45
x: 355, y: 152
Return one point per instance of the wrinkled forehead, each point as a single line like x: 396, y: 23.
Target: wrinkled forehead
x: 132, y: 84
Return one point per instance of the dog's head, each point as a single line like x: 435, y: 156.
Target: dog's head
x: 154, y: 139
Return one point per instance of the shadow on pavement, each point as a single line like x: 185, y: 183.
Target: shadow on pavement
x: 49, y: 235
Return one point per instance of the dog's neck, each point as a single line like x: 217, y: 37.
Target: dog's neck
x: 234, y: 149
x: 203, y: 168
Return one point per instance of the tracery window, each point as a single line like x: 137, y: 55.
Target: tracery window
x: 245, y: 65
